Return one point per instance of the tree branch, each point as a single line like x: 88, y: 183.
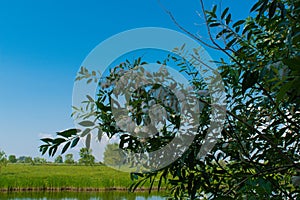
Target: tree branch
x: 183, y: 29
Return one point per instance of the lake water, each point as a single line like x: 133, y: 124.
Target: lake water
x: 81, y: 196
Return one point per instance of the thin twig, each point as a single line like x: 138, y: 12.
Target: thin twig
x: 183, y: 29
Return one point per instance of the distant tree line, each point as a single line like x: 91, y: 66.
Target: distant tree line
x: 85, y: 154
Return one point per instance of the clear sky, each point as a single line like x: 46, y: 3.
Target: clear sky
x: 42, y: 46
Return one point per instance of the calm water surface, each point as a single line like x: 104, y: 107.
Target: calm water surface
x: 81, y: 196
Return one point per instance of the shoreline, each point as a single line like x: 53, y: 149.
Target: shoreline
x: 74, y: 189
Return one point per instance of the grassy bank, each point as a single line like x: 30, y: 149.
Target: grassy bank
x: 109, y: 195
x: 62, y: 177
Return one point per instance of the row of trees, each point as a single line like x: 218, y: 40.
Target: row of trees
x: 4, y: 159
x: 85, y: 158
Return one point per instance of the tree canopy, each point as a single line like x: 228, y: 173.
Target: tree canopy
x: 86, y: 156
x: 257, y: 156
x: 3, y: 160
x: 69, y: 159
x: 12, y: 159
x: 58, y: 159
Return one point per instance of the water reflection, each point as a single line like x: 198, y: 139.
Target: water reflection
x: 80, y: 196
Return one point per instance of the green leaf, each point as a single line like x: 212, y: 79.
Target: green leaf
x: 256, y: 5
x: 238, y: 23
x: 229, y: 44
x: 68, y: 133
x: 224, y: 12
x: 47, y: 140
x: 90, y: 98
x: 247, y: 27
x: 44, y: 148
x: 214, y: 9
x: 87, y: 123
x: 163, y: 176
x: 75, y: 142
x: 58, y: 141
x: 249, y: 80
x: 135, y: 185
x: 228, y: 18
x: 99, y: 136
x: 89, y: 81
x: 262, y: 9
x: 272, y: 9
x: 283, y: 91
x: 249, y: 35
x: 65, y: 147
x: 214, y: 24
x: 52, y: 150
x: 182, y: 47
x: 229, y: 35
x: 88, y: 141
x: 85, y: 132
x: 133, y: 176
x: 282, y: 9
x: 221, y: 33
x: 151, y: 186
x: 293, y: 63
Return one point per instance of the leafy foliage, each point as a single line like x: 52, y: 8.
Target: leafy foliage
x: 38, y: 160
x: 58, y: 159
x: 3, y: 160
x: 51, y: 145
x: 12, y: 158
x: 69, y: 159
x: 86, y: 157
x: 259, y: 151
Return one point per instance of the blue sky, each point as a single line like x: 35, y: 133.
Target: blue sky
x: 42, y: 46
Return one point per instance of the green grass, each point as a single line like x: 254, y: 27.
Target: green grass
x: 19, y: 176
